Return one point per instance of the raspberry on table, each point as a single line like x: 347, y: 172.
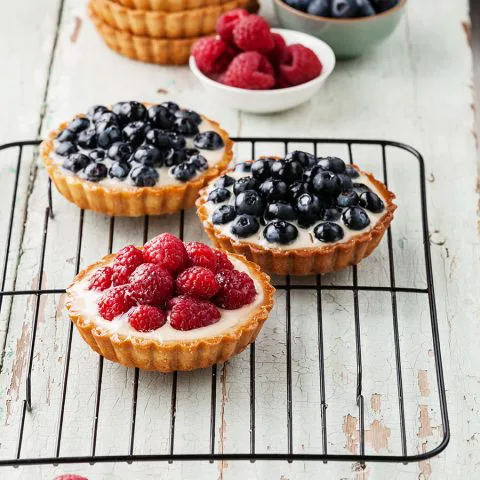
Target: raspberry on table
x: 70, y: 476
x: 168, y: 251
x: 114, y: 302
x: 126, y: 261
x: 227, y: 22
x: 198, y: 282
x: 252, y: 34
x: 212, y: 55
x: 150, y: 284
x: 201, y: 255
x: 223, y: 263
x: 188, y: 313
x: 101, y: 279
x: 299, y: 65
x: 236, y: 289
x: 146, y: 318
x: 250, y: 70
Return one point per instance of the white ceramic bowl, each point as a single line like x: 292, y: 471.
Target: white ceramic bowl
x: 269, y: 101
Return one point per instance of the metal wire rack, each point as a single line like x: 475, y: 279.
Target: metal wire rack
x: 318, y: 286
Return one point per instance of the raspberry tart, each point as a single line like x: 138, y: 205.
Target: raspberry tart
x: 300, y: 215
x: 170, y: 305
x: 135, y: 159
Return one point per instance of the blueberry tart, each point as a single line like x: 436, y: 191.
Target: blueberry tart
x: 170, y: 305
x: 135, y: 159
x: 299, y: 215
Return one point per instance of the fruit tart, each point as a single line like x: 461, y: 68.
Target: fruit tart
x: 170, y: 305
x: 135, y: 158
x: 298, y: 215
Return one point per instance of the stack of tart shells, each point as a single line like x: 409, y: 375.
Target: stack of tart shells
x: 159, y: 31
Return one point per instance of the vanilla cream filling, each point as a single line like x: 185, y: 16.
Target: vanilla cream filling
x: 306, y: 237
x: 165, y: 176
x: 84, y: 302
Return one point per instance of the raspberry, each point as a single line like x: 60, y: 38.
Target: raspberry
x: 126, y: 261
x: 70, y: 476
x: 197, y: 282
x: 299, y: 65
x: 114, y: 302
x: 101, y: 279
x: 250, y: 70
x: 236, y: 289
x: 277, y: 53
x: 150, y: 284
x: 226, y: 23
x: 212, y: 55
x: 252, y: 33
x: 223, y: 263
x: 146, y: 318
x: 168, y: 251
x: 201, y: 255
x: 188, y: 313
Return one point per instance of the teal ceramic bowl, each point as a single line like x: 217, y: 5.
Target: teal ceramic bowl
x: 350, y: 37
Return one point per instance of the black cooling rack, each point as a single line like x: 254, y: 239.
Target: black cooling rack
x: 249, y: 451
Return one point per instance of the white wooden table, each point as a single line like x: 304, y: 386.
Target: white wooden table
x: 416, y: 88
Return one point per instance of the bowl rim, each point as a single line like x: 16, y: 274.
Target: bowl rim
x: 400, y: 6
x: 323, y: 75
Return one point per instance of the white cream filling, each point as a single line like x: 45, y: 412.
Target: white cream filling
x: 306, y: 237
x: 85, y: 303
x: 165, y: 176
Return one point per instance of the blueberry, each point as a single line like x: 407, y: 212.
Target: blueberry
x: 309, y: 209
x: 326, y: 183
x: 244, y: 226
x: 333, y: 164
x: 360, y: 188
x: 273, y: 189
x: 177, y: 141
x: 129, y: 112
x: 365, y: 8
x: 280, y: 231
x: 143, y: 176
x: 120, y: 152
x: 243, y: 167
x: 119, y: 170
x: 224, y: 214
x: 66, y: 136
x: 158, y: 138
x: 281, y: 211
x: 287, y: 170
x: 94, y: 172
x: 330, y: 214
x: 174, y: 157
x: 261, y: 169
x: 296, y: 189
x: 249, y: 202
x: 306, y: 159
x: 219, y: 195
x: 224, y: 181
x: 87, y: 139
x: 351, y: 171
x: 183, y: 171
x: 346, y: 182
x: 65, y: 148
x: 328, y: 232
x: 383, y: 5
x: 372, y: 202
x: 161, y: 117
x: 194, y: 116
x: 208, y: 140
x: 95, y: 111
x: 244, y: 183
x: 199, y: 162
x: 79, y: 124
x: 109, y: 136
x: 76, y: 162
x: 134, y: 133
x: 107, y: 117
x: 298, y: 4
x: 347, y: 199
x: 172, y: 106
x: 320, y: 8
x: 97, y: 155
x: 344, y: 8
x: 148, y: 155
x: 355, y: 218
x: 185, y: 126
x: 190, y: 152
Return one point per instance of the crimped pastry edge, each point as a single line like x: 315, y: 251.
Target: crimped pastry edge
x: 168, y: 6
x: 149, y: 354
x: 304, y: 261
x: 165, y: 199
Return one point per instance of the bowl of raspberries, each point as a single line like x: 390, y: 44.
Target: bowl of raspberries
x: 255, y: 68
x: 350, y: 27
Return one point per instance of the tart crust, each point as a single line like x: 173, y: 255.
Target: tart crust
x: 149, y: 354
x: 132, y: 202
x: 305, y: 261
x: 182, y: 24
x: 168, y: 5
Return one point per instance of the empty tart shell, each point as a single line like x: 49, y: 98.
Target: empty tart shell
x: 169, y: 356
x: 305, y: 261
x: 169, y: 6
x: 182, y: 24
x: 133, y: 201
